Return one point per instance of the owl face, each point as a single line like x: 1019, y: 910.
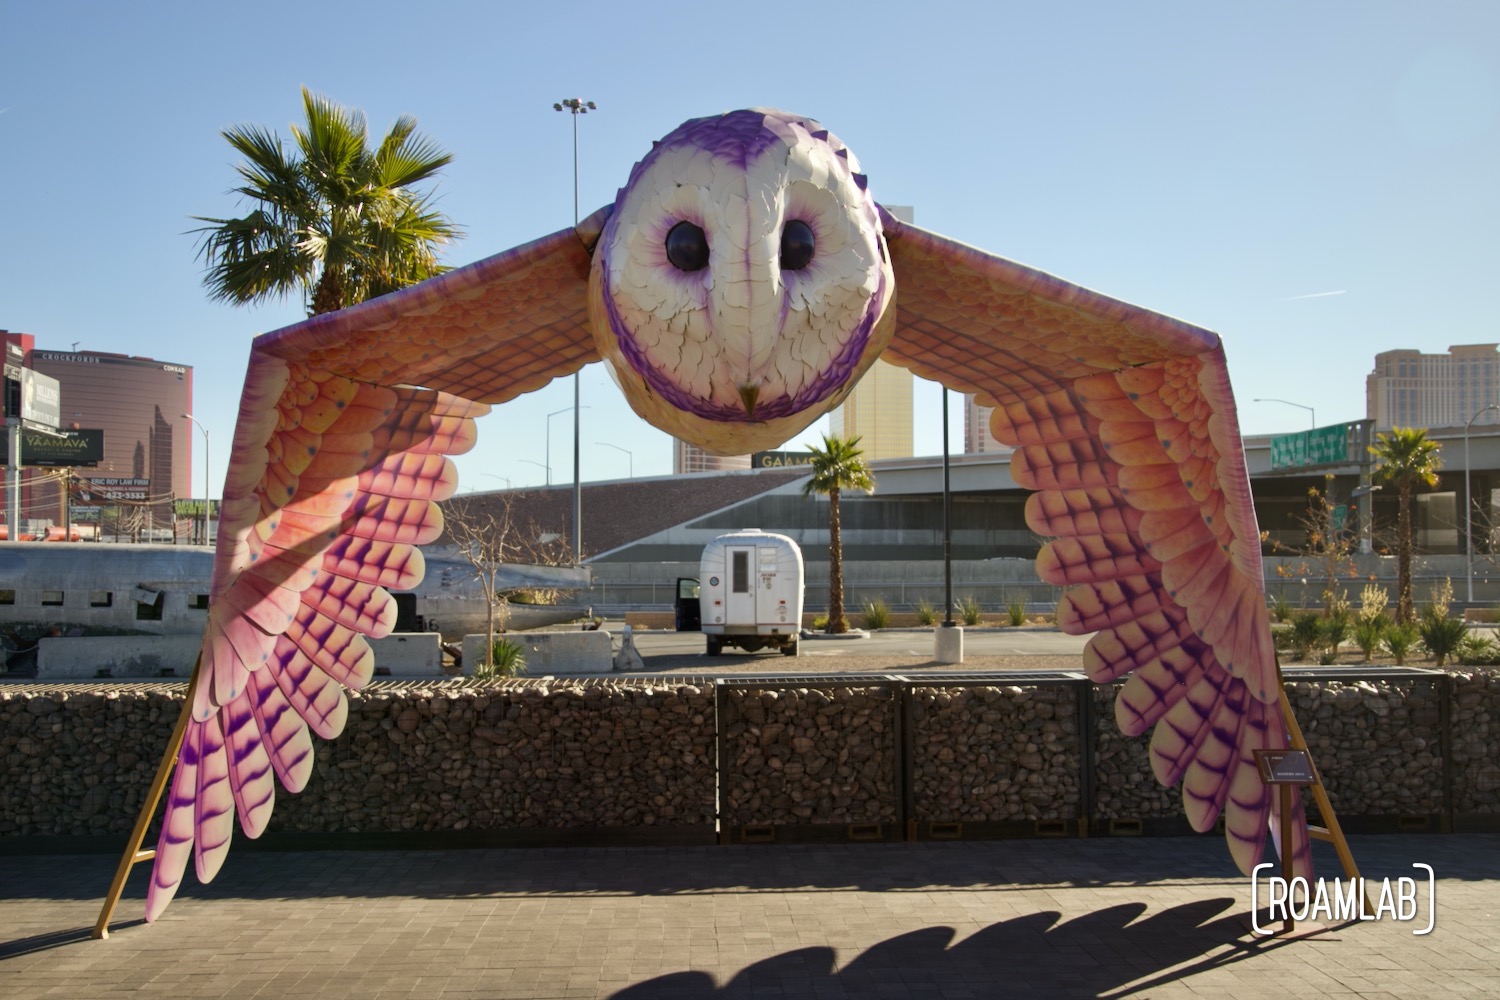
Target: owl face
x: 741, y: 285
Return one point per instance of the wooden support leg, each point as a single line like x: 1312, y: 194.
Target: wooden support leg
x: 133, y: 853
x: 1332, y: 833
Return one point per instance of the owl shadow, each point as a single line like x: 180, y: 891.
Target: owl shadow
x: 1032, y: 956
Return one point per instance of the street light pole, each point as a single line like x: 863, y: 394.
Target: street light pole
x: 628, y: 453
x: 195, y: 420
x: 1312, y: 414
x: 1469, y: 502
x: 575, y: 107
x: 539, y: 465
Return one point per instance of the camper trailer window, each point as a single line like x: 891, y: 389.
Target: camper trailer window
x: 741, y: 583
x: 101, y: 599
x: 7, y: 597
x: 52, y: 598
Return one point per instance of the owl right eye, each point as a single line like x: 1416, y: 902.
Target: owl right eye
x: 687, y: 247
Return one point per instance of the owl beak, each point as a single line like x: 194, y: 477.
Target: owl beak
x: 748, y: 395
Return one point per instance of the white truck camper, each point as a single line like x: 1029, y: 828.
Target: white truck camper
x: 751, y: 592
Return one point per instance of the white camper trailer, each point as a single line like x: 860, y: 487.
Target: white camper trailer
x: 751, y: 592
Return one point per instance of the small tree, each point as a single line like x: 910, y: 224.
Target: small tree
x: 489, y: 536
x: 1406, y: 457
x: 839, y: 465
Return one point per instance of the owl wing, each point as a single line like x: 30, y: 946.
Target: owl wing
x: 339, y: 460
x: 1124, y: 424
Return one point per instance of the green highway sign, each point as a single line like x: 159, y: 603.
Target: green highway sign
x: 1336, y: 445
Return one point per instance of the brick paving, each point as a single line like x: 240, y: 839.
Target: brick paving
x: 1157, y: 917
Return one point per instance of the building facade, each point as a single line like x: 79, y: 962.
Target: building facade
x: 691, y: 458
x: 1412, y: 389
x: 977, y: 437
x: 139, y: 404
x: 879, y: 410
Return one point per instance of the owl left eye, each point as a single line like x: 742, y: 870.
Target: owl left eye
x: 687, y: 247
x: 796, y: 245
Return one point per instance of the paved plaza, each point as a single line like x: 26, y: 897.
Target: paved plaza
x: 1157, y: 917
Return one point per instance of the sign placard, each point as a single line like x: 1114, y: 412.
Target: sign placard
x: 79, y: 449
x: 779, y: 459
x: 1285, y: 767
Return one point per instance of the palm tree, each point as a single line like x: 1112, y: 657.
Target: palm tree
x: 839, y: 465
x: 1406, y: 457
x: 329, y: 218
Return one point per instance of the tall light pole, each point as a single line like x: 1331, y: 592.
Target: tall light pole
x: 557, y: 413
x: 195, y: 420
x: 1312, y: 414
x: 1469, y: 502
x: 576, y: 106
x: 628, y: 453
x: 503, y: 479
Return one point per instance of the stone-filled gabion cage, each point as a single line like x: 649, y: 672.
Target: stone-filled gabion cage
x: 694, y: 759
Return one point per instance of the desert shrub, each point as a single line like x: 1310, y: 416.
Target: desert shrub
x: 926, y: 613
x: 1334, y: 631
x: 1281, y: 608
x: 820, y: 623
x: 1440, y: 633
x: 877, y: 614
x: 1478, y: 651
x: 1307, y: 633
x: 1399, y: 640
x: 1015, y: 613
x: 969, y: 611
x: 1368, y: 632
x: 507, y: 659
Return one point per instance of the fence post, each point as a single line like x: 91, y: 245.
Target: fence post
x: 1087, y: 795
x: 1445, y: 747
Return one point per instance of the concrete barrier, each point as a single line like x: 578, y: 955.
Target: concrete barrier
x: 409, y: 654
x: 552, y: 652
x: 75, y: 657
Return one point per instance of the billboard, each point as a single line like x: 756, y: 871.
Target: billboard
x: 78, y: 449
x: 94, y: 490
x: 41, y: 399
x: 779, y: 459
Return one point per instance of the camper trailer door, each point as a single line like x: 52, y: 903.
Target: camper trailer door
x: 739, y: 603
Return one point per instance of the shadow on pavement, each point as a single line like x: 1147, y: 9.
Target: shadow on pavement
x: 1031, y: 956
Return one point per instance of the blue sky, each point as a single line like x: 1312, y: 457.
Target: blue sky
x: 1316, y: 182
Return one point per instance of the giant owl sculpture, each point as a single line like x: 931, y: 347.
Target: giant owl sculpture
x: 741, y: 282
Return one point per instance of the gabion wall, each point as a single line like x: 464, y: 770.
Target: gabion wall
x: 640, y: 754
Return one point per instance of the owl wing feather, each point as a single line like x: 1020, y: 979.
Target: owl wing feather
x: 340, y: 456
x: 1124, y: 424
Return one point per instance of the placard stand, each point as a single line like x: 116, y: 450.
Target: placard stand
x: 133, y: 854
x: 1293, y: 768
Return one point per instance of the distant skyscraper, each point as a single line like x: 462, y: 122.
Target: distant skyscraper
x: 138, y: 403
x: 977, y: 437
x: 1412, y: 389
x: 879, y: 410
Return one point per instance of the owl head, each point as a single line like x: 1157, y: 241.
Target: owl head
x: 741, y: 285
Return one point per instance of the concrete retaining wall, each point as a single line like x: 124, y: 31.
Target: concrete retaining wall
x: 551, y: 653
x: 409, y: 654
x: 78, y: 657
